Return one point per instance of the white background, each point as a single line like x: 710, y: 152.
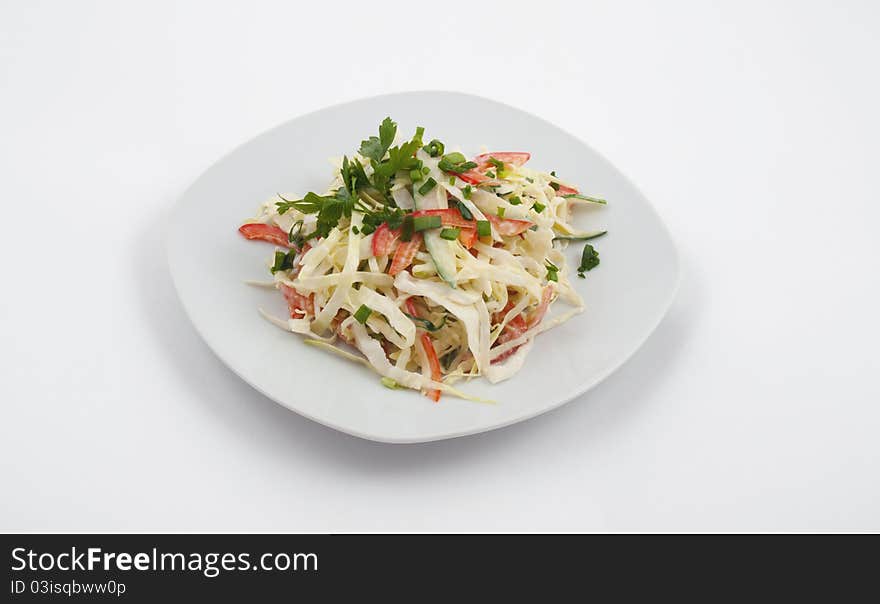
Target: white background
x: 752, y: 126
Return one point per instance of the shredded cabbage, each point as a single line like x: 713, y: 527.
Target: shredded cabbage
x: 351, y: 279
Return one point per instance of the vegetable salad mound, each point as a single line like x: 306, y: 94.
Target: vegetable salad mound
x: 424, y: 265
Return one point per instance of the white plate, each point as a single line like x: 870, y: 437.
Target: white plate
x: 626, y: 295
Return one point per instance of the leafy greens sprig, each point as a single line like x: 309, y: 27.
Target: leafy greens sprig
x: 367, y: 194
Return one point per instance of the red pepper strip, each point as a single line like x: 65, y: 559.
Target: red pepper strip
x: 430, y: 352
x: 542, y: 307
x: 477, y: 175
x: 509, y: 226
x: 474, y: 177
x: 298, y: 304
x: 384, y: 239
x: 468, y: 237
x: 405, y: 254
x: 563, y: 190
x: 434, y: 362
x: 264, y: 232
x: 517, y: 158
x: 450, y: 217
x: 514, y: 329
x: 518, y: 325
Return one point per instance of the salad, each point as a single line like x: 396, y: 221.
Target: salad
x: 424, y: 265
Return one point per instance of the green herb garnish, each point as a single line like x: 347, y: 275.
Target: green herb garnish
x: 406, y: 228
x: 450, y: 234
x: 389, y: 383
x: 465, y: 211
x: 514, y: 200
x: 552, y: 271
x: 455, y: 163
x: 585, y: 198
x: 589, y: 260
x: 466, y: 191
x: 426, y: 324
x: 283, y: 261
x: 538, y: 207
x: 423, y: 223
x: 376, y: 148
x: 362, y: 314
x: 585, y: 237
x: 484, y: 228
x: 434, y: 148
x: 500, y: 212
x: 426, y: 188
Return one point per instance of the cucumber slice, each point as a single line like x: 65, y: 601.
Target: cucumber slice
x: 440, y: 250
x: 442, y: 253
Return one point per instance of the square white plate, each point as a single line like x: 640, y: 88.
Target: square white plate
x: 626, y: 296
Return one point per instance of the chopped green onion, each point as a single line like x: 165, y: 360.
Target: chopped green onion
x: 455, y: 157
x: 466, y: 191
x: 423, y: 223
x: 363, y: 313
x: 434, y: 148
x: 514, y: 200
x: 429, y: 184
x: 484, y: 228
x: 415, y: 175
x: 500, y: 212
x: 451, y: 234
x: 555, y: 186
x: 552, y: 271
x: 452, y: 180
x: 584, y: 237
x: 499, y: 165
x: 455, y: 163
x: 530, y: 179
x: 465, y: 211
x: 355, y: 230
x: 367, y: 229
x: 490, y: 174
x: 426, y: 170
x: 553, y: 173
x: 283, y: 261
x: 389, y: 383
x: 406, y: 228
x: 426, y: 324
x: 420, y: 130
x: 538, y: 207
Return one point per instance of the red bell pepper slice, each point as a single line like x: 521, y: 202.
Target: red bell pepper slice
x: 468, y: 237
x: 519, y: 325
x: 450, y: 217
x: 264, y: 232
x: 384, y: 239
x: 509, y: 226
x: 405, y: 254
x: 298, y: 304
x: 517, y: 158
x: 430, y: 352
x: 563, y: 191
x: 542, y: 307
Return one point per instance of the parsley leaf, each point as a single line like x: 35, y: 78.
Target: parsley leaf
x: 589, y: 260
x: 375, y: 148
